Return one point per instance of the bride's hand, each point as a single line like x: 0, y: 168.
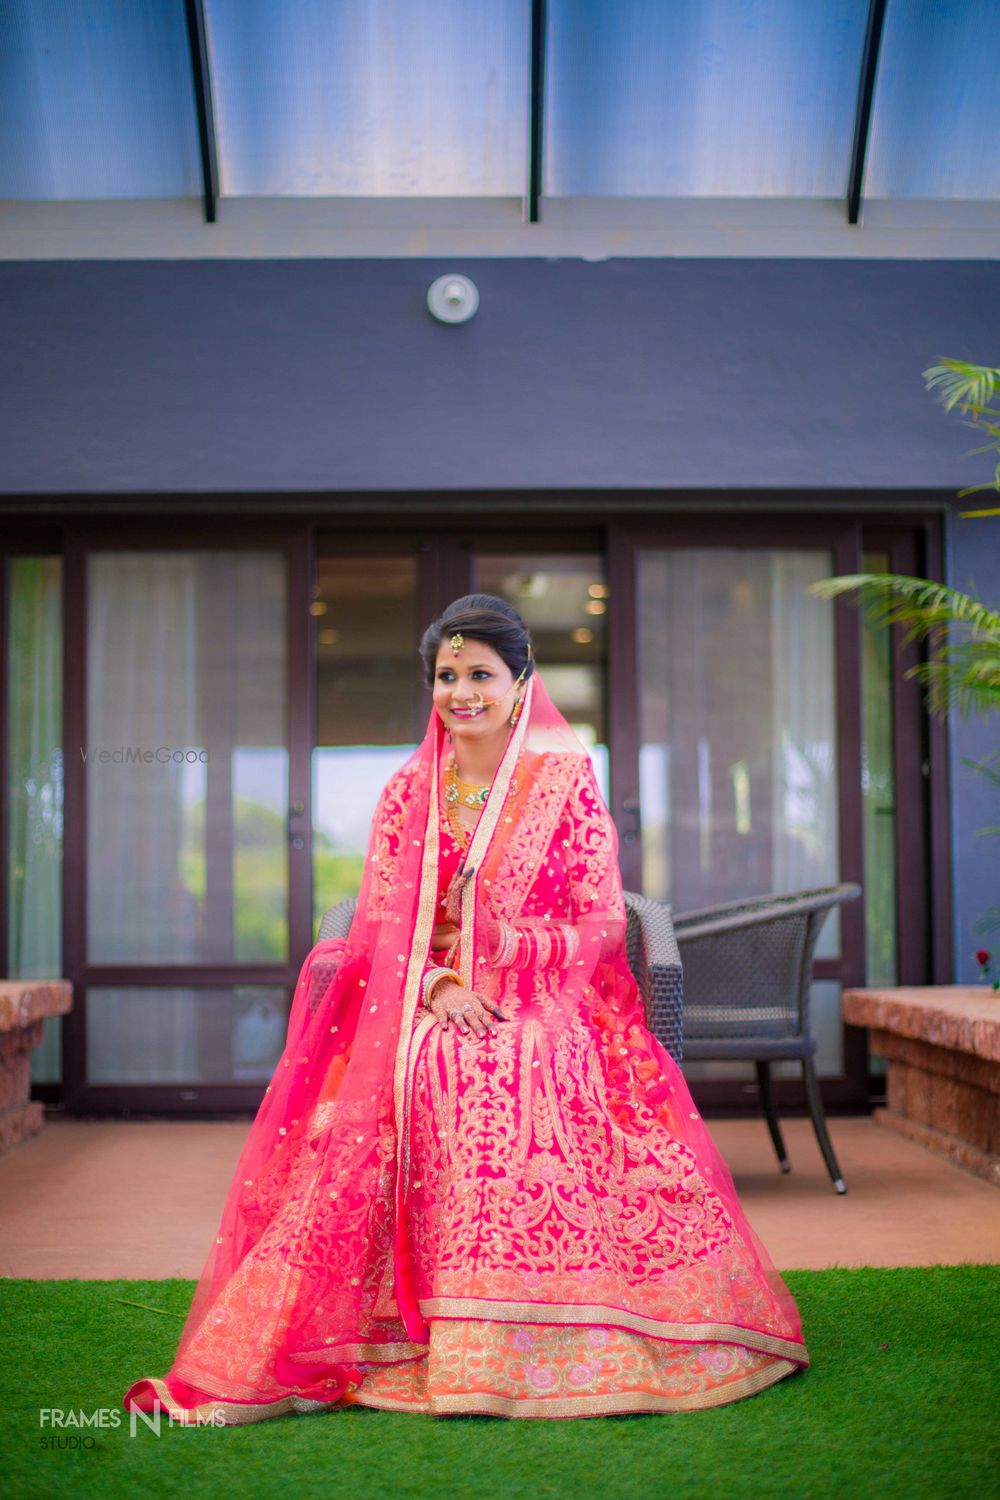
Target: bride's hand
x: 469, y: 1011
x: 446, y: 932
x: 453, y: 899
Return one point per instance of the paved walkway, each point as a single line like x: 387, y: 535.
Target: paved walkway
x: 142, y: 1198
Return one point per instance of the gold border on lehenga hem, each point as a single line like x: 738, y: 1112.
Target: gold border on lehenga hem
x: 482, y: 1403
x: 582, y: 1315
x: 236, y: 1413
x: 479, y: 1403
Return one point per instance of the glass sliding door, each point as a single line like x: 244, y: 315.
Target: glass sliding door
x: 34, y: 788
x: 738, y: 770
x: 184, y: 781
x: 878, y: 787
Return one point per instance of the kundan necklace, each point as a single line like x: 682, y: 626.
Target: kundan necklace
x: 465, y: 794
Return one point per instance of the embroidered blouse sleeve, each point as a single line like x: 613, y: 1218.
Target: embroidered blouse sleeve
x: 587, y: 834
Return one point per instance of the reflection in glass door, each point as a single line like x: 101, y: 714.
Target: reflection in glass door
x: 563, y: 600
x: 738, y: 764
x: 370, y: 705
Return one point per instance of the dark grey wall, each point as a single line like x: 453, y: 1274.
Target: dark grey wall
x: 301, y: 375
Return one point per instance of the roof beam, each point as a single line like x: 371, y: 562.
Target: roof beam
x: 863, y: 112
x: 530, y: 213
x: 202, y: 79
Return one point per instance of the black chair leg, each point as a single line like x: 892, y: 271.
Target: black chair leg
x: 767, y: 1100
x: 815, y: 1101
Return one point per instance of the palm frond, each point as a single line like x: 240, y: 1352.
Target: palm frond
x: 963, y: 385
x: 918, y: 603
x: 983, y: 768
x: 947, y: 691
x: 961, y: 674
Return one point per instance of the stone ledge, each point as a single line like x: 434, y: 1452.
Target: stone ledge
x: 979, y: 1072
x: 17, y: 1124
x: 984, y: 1164
x: 25, y: 1000
x: 959, y: 1018
x: 25, y: 1004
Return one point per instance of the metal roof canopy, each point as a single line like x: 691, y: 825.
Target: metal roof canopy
x: 434, y: 102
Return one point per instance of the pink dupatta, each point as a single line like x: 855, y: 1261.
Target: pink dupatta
x: 311, y: 1278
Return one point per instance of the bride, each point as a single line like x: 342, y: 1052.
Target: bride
x: 476, y: 1182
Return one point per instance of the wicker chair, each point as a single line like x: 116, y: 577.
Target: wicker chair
x: 652, y: 955
x: 747, y: 972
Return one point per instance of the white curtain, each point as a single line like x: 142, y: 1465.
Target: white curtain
x: 142, y: 686
x: 35, y: 785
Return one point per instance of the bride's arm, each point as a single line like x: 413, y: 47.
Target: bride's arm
x: 597, y: 925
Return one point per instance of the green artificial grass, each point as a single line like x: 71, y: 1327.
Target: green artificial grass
x: 900, y: 1401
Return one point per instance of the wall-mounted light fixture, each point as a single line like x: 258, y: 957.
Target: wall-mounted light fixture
x: 453, y: 298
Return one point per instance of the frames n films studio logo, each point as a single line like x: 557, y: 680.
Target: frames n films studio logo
x: 72, y: 1430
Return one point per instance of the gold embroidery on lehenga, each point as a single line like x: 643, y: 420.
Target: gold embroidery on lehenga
x: 527, y: 1212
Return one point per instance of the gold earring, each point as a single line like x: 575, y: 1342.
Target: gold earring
x: 515, y: 712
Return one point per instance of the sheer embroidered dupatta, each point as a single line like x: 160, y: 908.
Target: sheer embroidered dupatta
x: 308, y: 1275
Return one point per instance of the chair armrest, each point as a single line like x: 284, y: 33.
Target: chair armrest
x: 661, y: 960
x: 337, y: 921
x: 321, y: 974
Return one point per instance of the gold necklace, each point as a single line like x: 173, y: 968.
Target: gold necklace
x: 462, y: 793
x: 466, y: 792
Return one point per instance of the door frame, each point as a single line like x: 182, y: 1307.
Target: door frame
x: 80, y: 538
x: 920, y: 749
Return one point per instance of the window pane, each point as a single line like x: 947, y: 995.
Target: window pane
x: 371, y: 97
x: 737, y: 773
x: 185, y: 1035
x: 563, y: 600
x: 35, y: 786
x: 96, y: 100
x: 718, y: 99
x: 369, y: 697
x: 186, y: 761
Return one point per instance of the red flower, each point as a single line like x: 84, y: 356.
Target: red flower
x: 982, y: 956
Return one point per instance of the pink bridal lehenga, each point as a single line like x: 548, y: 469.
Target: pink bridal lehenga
x: 536, y: 1224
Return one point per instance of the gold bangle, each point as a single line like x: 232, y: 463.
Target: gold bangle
x: 433, y: 978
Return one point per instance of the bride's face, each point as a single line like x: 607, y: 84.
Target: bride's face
x: 472, y: 691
